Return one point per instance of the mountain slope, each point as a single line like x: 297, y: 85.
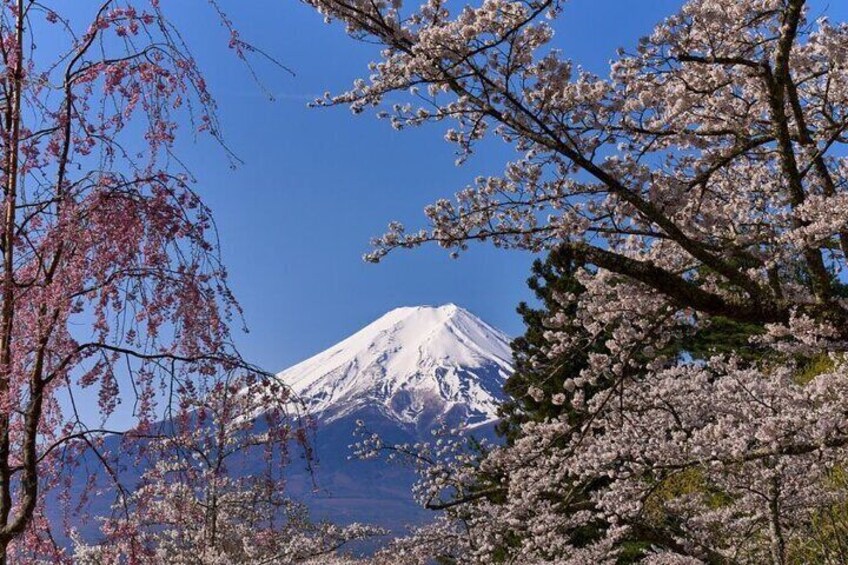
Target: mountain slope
x: 402, y: 375
x: 413, y: 365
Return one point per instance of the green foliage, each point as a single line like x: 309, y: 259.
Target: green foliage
x: 722, y: 336
x: 813, y: 367
x: 825, y: 538
x: 555, y: 276
x: 685, y: 482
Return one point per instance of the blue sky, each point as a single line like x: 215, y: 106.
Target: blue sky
x: 317, y: 184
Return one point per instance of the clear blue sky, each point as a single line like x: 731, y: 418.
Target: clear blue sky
x: 316, y: 185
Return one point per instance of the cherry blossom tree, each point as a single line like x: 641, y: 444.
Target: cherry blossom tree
x: 111, y: 276
x: 704, y: 103
x: 202, y: 500
x: 702, y: 181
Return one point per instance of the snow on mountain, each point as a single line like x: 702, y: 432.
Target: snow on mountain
x: 414, y: 365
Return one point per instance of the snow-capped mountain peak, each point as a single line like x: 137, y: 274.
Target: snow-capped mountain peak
x: 413, y: 365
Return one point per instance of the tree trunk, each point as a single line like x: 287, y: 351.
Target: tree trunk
x: 778, y: 543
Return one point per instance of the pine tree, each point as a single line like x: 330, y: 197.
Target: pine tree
x: 551, y: 279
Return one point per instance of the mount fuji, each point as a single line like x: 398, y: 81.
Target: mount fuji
x: 414, y: 366
x: 402, y: 375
